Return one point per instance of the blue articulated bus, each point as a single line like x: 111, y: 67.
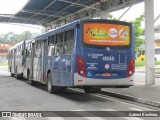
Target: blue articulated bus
x: 90, y: 54
x: 15, y: 60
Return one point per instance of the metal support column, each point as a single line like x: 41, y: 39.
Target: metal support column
x: 149, y: 42
x: 103, y: 14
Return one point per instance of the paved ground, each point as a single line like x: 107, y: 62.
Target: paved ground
x: 18, y: 95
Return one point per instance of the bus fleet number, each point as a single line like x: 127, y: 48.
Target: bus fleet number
x: 108, y: 58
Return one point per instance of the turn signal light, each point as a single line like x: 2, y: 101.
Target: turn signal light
x: 81, y: 69
x: 130, y: 67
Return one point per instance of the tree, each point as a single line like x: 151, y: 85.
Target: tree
x: 15, y: 38
x: 138, y: 31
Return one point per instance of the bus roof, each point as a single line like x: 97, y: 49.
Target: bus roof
x: 27, y: 41
x: 16, y: 45
x: 43, y: 36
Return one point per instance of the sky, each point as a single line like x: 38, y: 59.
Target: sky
x: 13, y: 6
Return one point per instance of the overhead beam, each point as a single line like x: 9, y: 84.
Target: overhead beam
x: 59, y: 11
x: 124, y: 12
x: 41, y: 10
x: 76, y: 3
x: 157, y: 18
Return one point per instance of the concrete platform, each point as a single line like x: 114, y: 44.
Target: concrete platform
x: 141, y: 93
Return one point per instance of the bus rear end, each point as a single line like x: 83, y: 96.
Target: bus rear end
x: 104, y: 54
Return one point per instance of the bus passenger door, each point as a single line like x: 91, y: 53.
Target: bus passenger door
x: 14, y: 61
x: 25, y: 64
x: 37, y: 63
x: 32, y: 60
x: 45, y: 60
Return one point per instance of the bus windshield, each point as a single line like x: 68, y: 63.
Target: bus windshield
x: 106, y: 34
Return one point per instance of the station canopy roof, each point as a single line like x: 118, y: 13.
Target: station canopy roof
x: 56, y: 12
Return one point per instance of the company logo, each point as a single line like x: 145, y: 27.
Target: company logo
x: 113, y: 32
x: 123, y: 33
x: 107, y: 66
x: 108, y: 48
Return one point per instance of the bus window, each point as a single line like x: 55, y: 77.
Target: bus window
x: 59, y: 44
x: 68, y: 41
x: 37, y: 49
x: 51, y: 46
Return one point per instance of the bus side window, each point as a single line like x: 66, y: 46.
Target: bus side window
x: 68, y: 41
x: 59, y: 44
x: 15, y: 52
x: 37, y: 49
x: 51, y: 48
x: 11, y: 55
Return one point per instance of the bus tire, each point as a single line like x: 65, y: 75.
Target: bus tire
x: 21, y: 75
x: 28, y: 75
x: 49, y: 84
x: 91, y: 90
x: 31, y: 82
x: 53, y: 89
x: 17, y: 75
x: 12, y: 75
